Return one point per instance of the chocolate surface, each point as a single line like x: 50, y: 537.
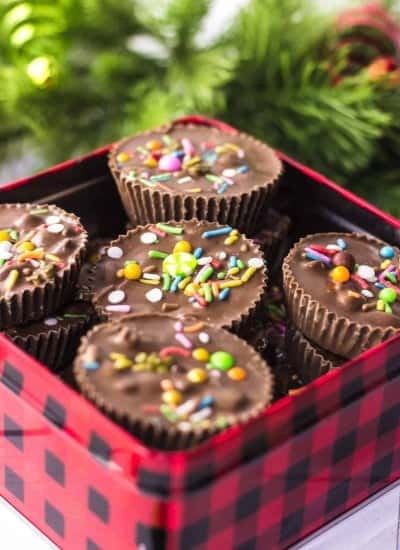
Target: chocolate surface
x: 201, y: 160
x: 153, y: 370
x: 347, y: 298
x: 37, y: 244
x: 165, y: 295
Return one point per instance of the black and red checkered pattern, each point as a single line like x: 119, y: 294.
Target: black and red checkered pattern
x: 87, y: 484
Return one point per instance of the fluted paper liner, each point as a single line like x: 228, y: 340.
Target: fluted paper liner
x: 144, y: 205
x: 171, y: 437
x: 325, y: 327
x: 41, y: 301
x: 306, y: 358
x: 239, y: 324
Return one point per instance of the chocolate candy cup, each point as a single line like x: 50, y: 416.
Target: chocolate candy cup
x: 331, y: 314
x: 135, y: 396
x: 58, y: 241
x: 241, y: 205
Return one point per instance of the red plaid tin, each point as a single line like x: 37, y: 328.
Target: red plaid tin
x: 87, y: 484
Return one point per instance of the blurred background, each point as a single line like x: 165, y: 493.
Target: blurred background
x: 319, y: 80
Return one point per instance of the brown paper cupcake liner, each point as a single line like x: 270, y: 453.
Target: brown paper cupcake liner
x: 38, y: 302
x: 55, y: 347
x: 170, y: 438
x: 309, y: 361
x: 241, y: 325
x: 144, y: 205
x: 324, y: 327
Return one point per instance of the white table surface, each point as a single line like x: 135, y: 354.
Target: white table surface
x: 374, y: 526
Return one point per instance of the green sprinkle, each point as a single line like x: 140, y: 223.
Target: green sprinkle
x: 206, y: 274
x: 166, y: 139
x: 157, y: 254
x: 214, y: 179
x: 142, y: 150
x: 147, y: 182
x: 74, y: 316
x: 168, y: 413
x: 221, y: 422
x: 388, y: 309
x: 128, y: 262
x: 166, y: 281
x: 221, y: 275
x: 161, y: 177
x: 169, y: 229
x: 14, y: 235
x: 207, y: 293
x: 391, y: 276
x: 39, y: 211
x: 240, y: 264
x: 2, y: 262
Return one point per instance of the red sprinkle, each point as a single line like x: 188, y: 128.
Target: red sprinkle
x: 200, y: 299
x: 363, y: 284
x: 323, y: 250
x: 78, y: 229
x: 157, y: 231
x: 150, y: 408
x: 215, y: 263
x: 174, y: 350
x: 395, y: 288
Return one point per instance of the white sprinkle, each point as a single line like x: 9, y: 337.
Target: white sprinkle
x: 187, y: 407
x: 255, y: 262
x: 5, y: 255
x: 154, y: 295
x: 185, y: 426
x: 334, y: 247
x: 229, y: 172
x: 50, y: 220
x: 178, y: 326
x: 186, y: 179
x: 115, y: 252
x: 366, y: 272
x: 222, y: 255
x: 367, y: 293
x: 196, y: 305
x: 5, y: 246
x: 123, y: 308
x: 116, y: 296
x: 51, y: 322
x: 151, y: 276
x: 35, y: 263
x: 204, y: 260
x: 148, y: 238
x: 55, y: 228
x: 202, y: 414
x: 204, y: 337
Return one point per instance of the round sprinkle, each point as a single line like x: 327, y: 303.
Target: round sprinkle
x: 222, y: 255
x: 132, y: 271
x: 50, y: 220
x: 388, y: 295
x: 180, y: 264
x: 229, y: 172
x: 51, y: 322
x: 342, y: 243
x: 221, y: 360
x: 172, y: 397
x: 255, y: 262
x: 154, y: 295
x: 201, y: 354
x: 367, y: 273
x: 204, y: 337
x: 367, y: 293
x: 122, y: 157
x: 148, y: 238
x: 182, y: 246
x: 237, y: 374
x: 340, y: 274
x: 116, y: 296
x: 55, y: 228
x: 5, y: 246
x: 5, y: 255
x: 197, y: 376
x: 170, y: 163
x: 4, y: 236
x: 386, y: 252
x: 115, y: 252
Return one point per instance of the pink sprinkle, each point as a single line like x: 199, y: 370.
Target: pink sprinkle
x: 174, y: 350
x: 359, y: 280
x: 215, y: 263
x: 188, y: 147
x: 323, y: 250
x: 216, y: 186
x: 157, y: 231
x: 170, y: 163
x: 388, y: 284
x: 123, y: 308
x: 183, y: 340
x: 178, y: 326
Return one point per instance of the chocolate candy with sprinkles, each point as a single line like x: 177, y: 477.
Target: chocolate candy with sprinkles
x: 191, y: 270
x: 159, y: 379
x: 350, y: 300
x: 195, y: 171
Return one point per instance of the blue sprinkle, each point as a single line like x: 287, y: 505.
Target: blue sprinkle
x: 224, y: 294
x: 91, y: 365
x: 310, y: 255
x: 192, y: 300
x: 207, y: 401
x: 342, y: 243
x: 223, y: 188
x: 386, y: 252
x: 175, y: 283
x: 379, y: 285
x: 217, y: 232
x: 232, y: 261
x: 242, y: 169
x: 179, y: 154
x: 198, y: 253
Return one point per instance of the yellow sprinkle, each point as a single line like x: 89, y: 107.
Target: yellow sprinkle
x: 114, y: 356
x: 201, y: 291
x: 182, y: 246
x: 231, y: 284
x: 172, y: 397
x: 149, y: 282
x: 248, y: 274
x: 132, y: 271
x: 150, y: 162
x: 37, y: 254
x: 5, y: 236
x: 123, y: 363
x: 232, y: 239
x: 11, y: 279
x: 233, y: 271
x: 194, y: 190
x: 234, y: 232
x: 53, y: 258
x: 380, y: 306
x: 215, y: 289
x: 197, y: 375
x: 183, y: 284
x: 385, y: 264
x: 26, y: 246
x: 120, y: 273
x: 122, y: 157
x: 200, y: 354
x: 191, y: 287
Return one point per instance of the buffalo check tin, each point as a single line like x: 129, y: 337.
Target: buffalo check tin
x: 87, y: 484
